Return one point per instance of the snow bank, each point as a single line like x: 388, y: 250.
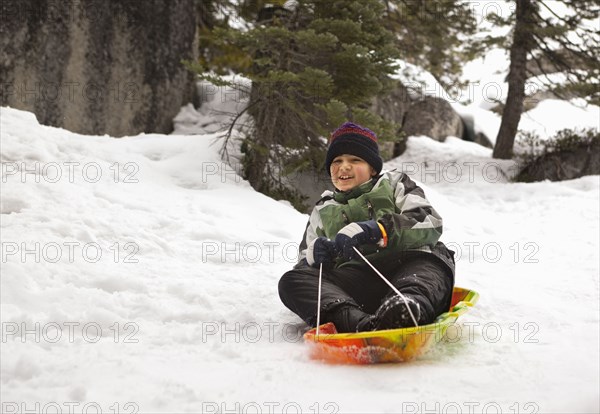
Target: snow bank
x: 552, y: 115
x: 141, y: 274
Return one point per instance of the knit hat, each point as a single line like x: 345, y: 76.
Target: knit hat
x: 353, y: 139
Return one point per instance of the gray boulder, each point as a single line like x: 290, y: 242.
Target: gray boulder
x: 98, y: 66
x: 433, y: 117
x: 469, y: 133
x: 583, y: 159
x: 482, y: 139
x: 309, y: 185
x: 393, y: 105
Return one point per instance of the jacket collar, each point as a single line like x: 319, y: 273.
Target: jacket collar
x: 344, y: 196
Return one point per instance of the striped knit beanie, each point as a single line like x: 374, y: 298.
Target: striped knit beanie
x: 353, y: 139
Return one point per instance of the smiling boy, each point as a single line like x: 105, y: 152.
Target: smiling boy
x: 387, y: 217
x: 349, y: 171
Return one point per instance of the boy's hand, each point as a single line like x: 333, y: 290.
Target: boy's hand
x: 321, y: 250
x: 355, y: 234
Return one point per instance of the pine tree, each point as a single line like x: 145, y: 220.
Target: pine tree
x: 312, y: 67
x: 321, y: 62
x: 435, y: 35
x: 561, y: 43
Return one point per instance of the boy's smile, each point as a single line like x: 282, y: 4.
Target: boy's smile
x: 348, y: 171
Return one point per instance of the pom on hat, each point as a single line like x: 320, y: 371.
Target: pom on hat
x: 356, y: 140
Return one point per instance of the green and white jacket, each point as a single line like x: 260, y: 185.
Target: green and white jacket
x: 391, y: 198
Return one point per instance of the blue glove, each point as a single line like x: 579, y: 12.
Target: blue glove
x: 356, y: 234
x: 321, y: 250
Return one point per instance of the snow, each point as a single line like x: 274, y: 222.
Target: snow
x: 486, y: 77
x: 552, y: 115
x: 140, y: 275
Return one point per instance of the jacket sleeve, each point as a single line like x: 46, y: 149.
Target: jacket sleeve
x: 416, y: 223
x: 310, y: 233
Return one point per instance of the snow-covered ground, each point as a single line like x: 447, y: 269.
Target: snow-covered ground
x: 140, y: 275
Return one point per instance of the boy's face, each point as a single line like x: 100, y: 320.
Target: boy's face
x: 348, y: 171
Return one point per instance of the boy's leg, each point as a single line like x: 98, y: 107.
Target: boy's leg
x: 344, y: 292
x: 428, y: 281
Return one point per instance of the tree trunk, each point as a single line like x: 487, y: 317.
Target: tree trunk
x: 522, y: 44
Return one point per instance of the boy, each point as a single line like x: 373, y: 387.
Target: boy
x: 387, y: 217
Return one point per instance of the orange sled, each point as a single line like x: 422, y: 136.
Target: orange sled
x: 392, y: 345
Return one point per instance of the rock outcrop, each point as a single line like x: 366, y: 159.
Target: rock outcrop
x: 98, y: 66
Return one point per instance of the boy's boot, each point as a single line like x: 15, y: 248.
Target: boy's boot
x: 393, y: 313
x: 347, y: 317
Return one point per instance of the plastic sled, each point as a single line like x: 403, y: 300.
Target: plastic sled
x: 392, y: 345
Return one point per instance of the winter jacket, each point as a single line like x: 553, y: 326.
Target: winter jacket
x: 393, y: 199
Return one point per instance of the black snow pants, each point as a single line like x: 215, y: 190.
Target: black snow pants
x: 426, y: 278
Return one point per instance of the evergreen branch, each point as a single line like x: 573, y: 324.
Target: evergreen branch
x: 575, y: 48
x: 551, y: 54
x: 539, y: 65
x: 543, y: 3
x: 579, y: 52
x: 574, y: 21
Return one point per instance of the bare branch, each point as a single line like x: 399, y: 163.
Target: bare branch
x: 223, y: 151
